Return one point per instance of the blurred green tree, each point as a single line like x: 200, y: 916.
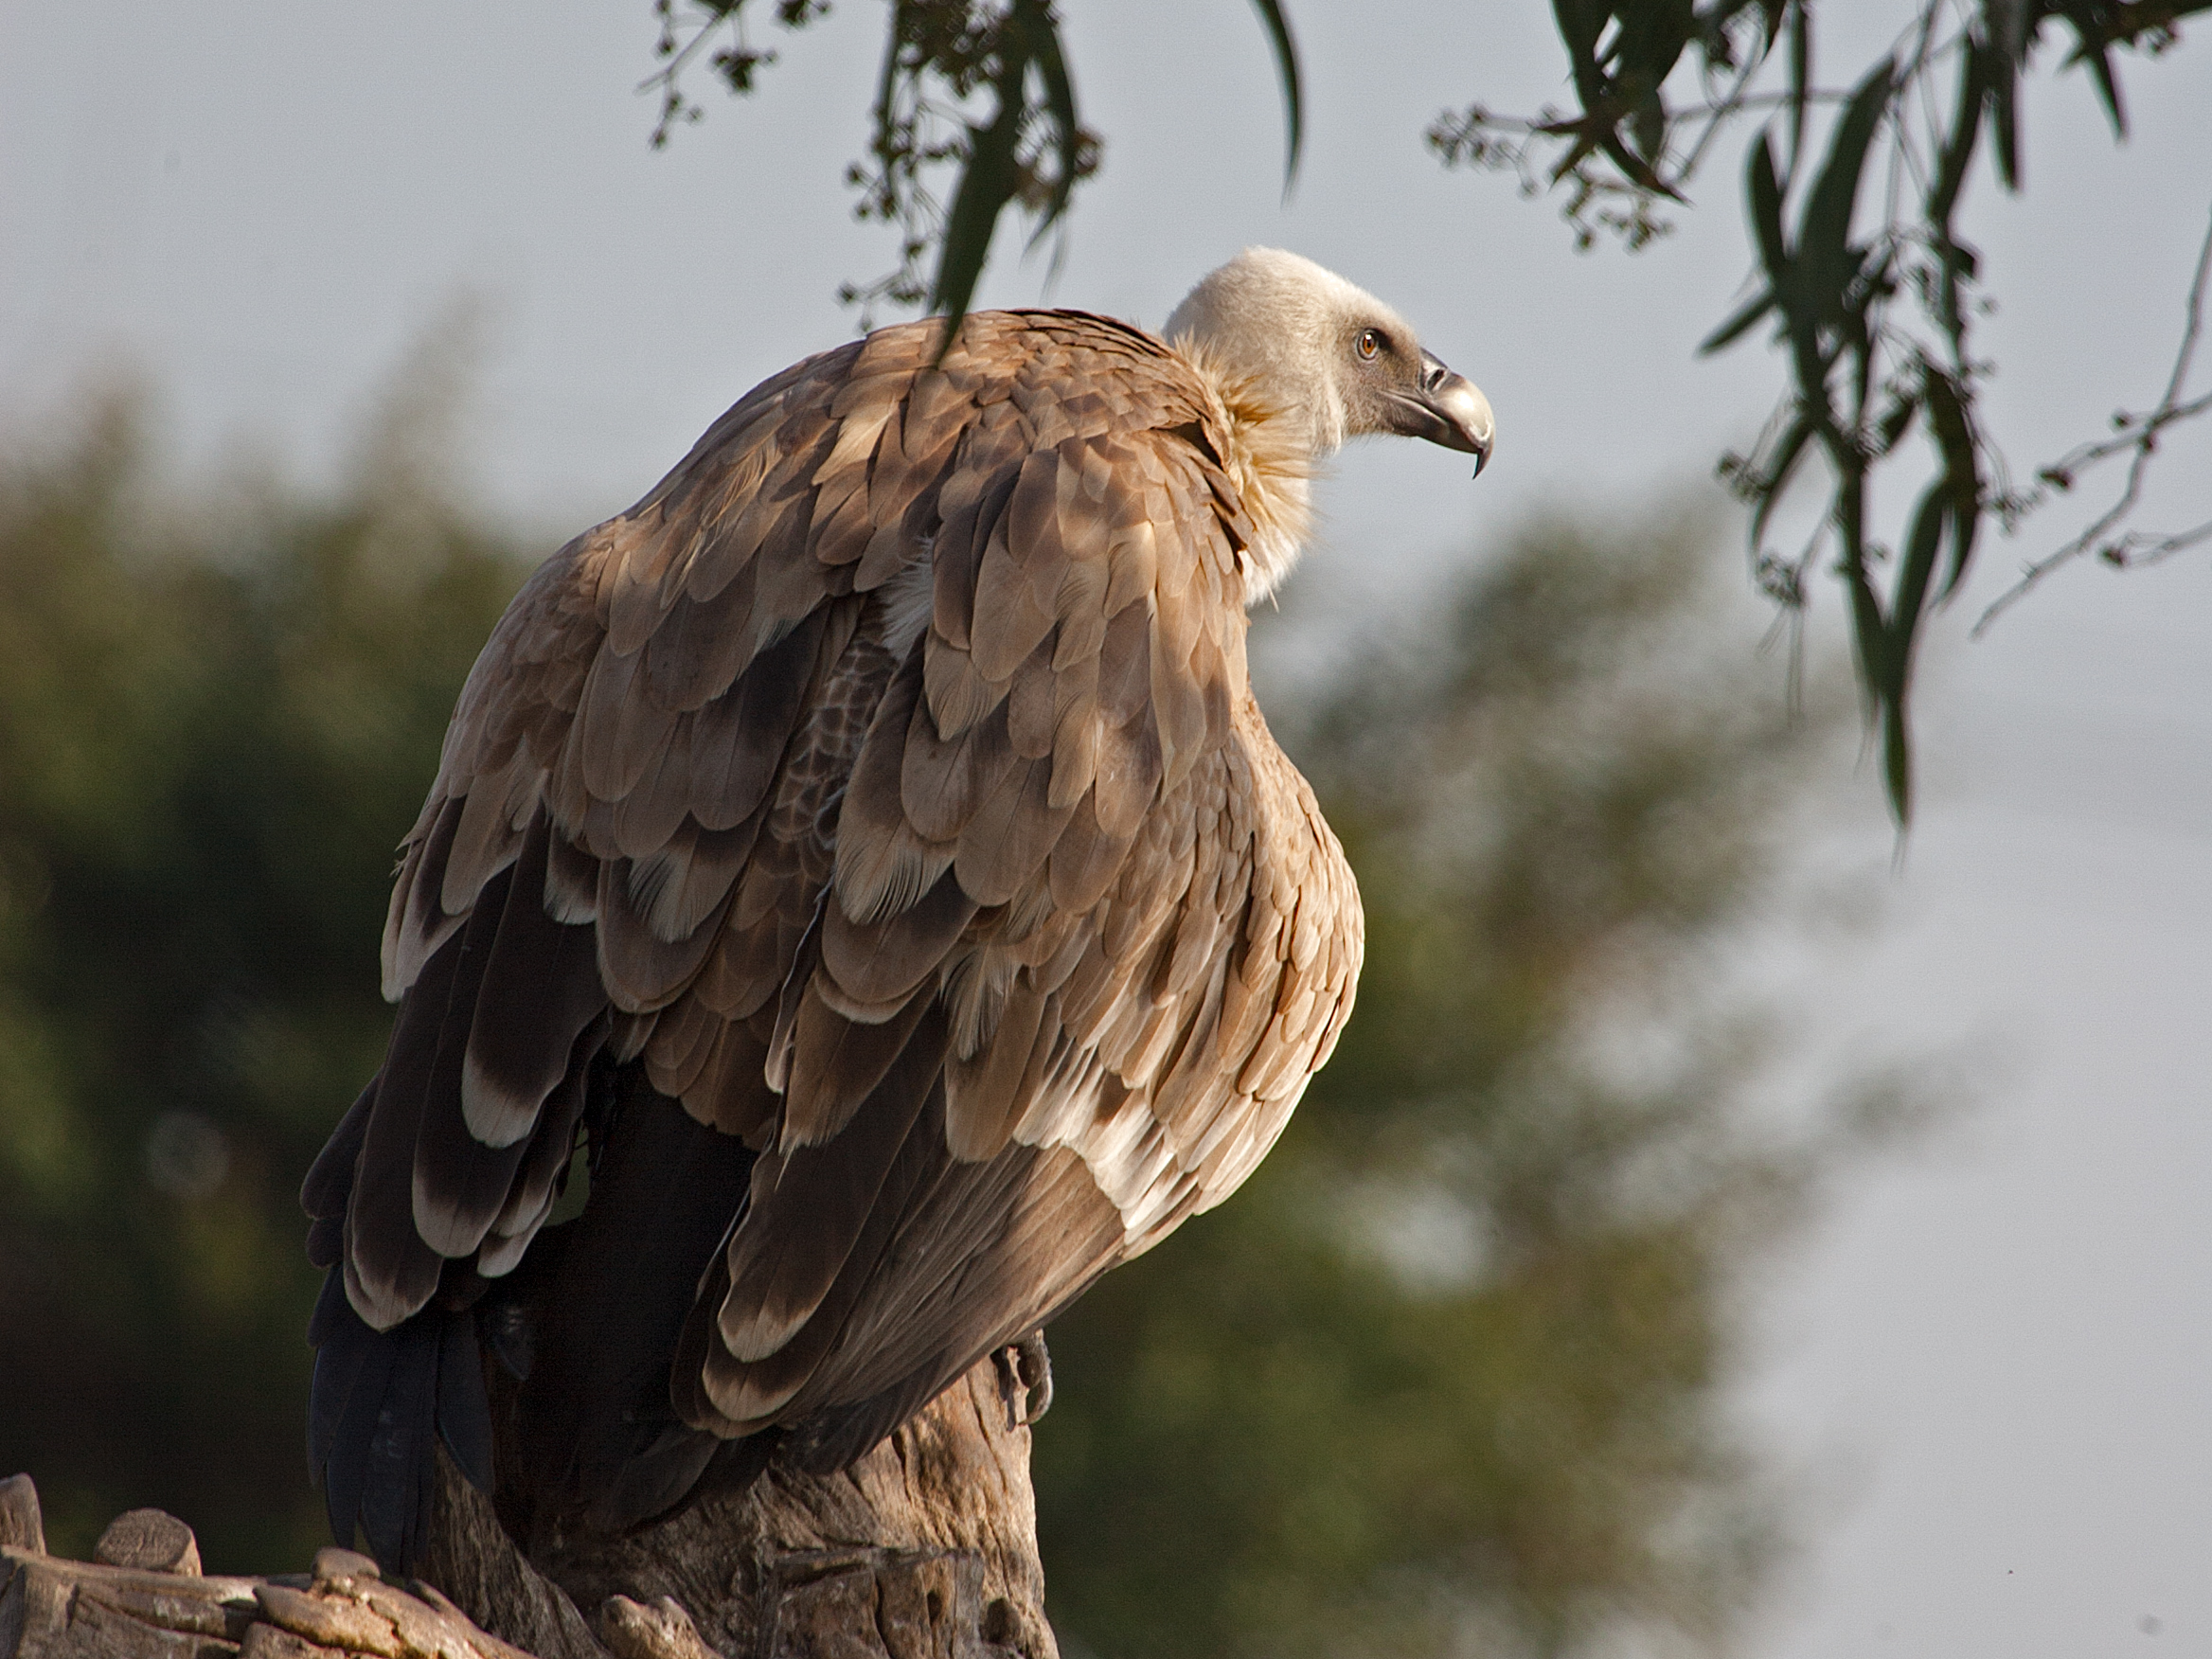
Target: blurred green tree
x: 216, y: 719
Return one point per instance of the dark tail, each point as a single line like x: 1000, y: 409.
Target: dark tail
x: 380, y: 1401
x: 597, y: 1438
x: 585, y: 1325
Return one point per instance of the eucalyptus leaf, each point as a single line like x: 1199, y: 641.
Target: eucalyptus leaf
x: 1776, y: 480
x: 1908, y: 600
x: 1800, y: 77
x: 1763, y: 190
x: 1962, y: 479
x: 2003, y: 68
x: 2092, y: 31
x: 1060, y: 100
x: 985, y: 187
x: 1825, y: 227
x: 1286, y: 65
x: 1734, y: 329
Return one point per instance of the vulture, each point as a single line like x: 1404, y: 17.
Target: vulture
x: 859, y: 903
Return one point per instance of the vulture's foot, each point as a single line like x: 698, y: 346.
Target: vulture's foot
x: 1024, y: 1380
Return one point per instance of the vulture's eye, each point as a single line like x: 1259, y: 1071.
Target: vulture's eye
x: 1370, y: 343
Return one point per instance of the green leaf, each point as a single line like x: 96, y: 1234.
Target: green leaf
x: 1908, y: 605
x: 1763, y: 190
x: 1800, y: 77
x: 1895, y: 420
x: 1735, y: 327
x: 2002, y: 41
x: 1580, y: 23
x: 987, y: 184
x: 1870, y: 643
x: 1638, y: 171
x: 1647, y: 125
x: 2094, y: 37
x: 1869, y: 628
x: 1974, y: 80
x: 1961, y: 483
x: 1910, y: 600
x: 1652, y: 36
x: 1286, y: 64
x: 1825, y: 230
x: 1787, y: 455
x: 1977, y: 74
x: 1060, y: 99
x: 1897, y: 761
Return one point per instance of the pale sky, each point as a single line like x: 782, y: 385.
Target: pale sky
x: 1990, y: 1361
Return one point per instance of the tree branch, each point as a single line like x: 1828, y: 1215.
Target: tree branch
x: 2140, y: 434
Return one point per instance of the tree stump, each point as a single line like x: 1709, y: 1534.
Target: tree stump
x: 924, y: 1549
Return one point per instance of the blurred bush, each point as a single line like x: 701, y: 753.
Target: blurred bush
x: 1451, y: 1372
x: 217, y: 717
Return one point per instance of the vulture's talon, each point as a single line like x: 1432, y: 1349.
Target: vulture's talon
x: 1024, y: 1380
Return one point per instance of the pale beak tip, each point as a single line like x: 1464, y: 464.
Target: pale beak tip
x: 1461, y: 402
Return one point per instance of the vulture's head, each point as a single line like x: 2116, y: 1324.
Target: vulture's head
x: 1312, y: 346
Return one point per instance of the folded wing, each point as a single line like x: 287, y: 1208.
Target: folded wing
x: 887, y: 787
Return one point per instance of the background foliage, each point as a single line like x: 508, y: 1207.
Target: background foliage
x: 1455, y: 1364
x: 217, y: 717
x: 1872, y: 311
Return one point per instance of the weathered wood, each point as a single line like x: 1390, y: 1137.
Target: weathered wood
x: 927, y: 1546
x: 151, y: 1539
x: 85, y: 1609
x: 472, y: 1560
x: 663, y: 1631
x: 924, y: 1549
x: 268, y: 1641
x: 21, y: 1525
x: 54, y: 1609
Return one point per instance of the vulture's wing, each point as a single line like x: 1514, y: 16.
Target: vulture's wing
x: 887, y: 782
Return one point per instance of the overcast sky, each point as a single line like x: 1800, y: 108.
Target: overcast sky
x: 1993, y: 1362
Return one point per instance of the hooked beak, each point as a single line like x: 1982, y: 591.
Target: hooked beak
x: 1447, y: 410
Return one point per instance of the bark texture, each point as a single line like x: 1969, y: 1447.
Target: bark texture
x: 924, y: 1549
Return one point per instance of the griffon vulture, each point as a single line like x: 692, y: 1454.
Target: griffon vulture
x: 864, y: 863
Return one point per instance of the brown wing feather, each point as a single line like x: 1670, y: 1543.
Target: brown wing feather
x: 626, y: 711
x: 1070, y: 829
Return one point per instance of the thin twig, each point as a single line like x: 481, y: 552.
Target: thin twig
x: 669, y: 75
x: 1717, y: 115
x: 2140, y: 547
x: 1546, y: 122
x: 2137, y: 548
x: 2133, y: 430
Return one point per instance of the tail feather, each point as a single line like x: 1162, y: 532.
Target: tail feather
x: 585, y: 1326
x: 595, y: 1430
x: 464, y: 1412
x: 395, y: 1480
x: 653, y: 1481
x: 352, y: 1367
x: 380, y: 1401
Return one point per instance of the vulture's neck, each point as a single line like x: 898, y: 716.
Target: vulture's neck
x: 1270, y: 458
